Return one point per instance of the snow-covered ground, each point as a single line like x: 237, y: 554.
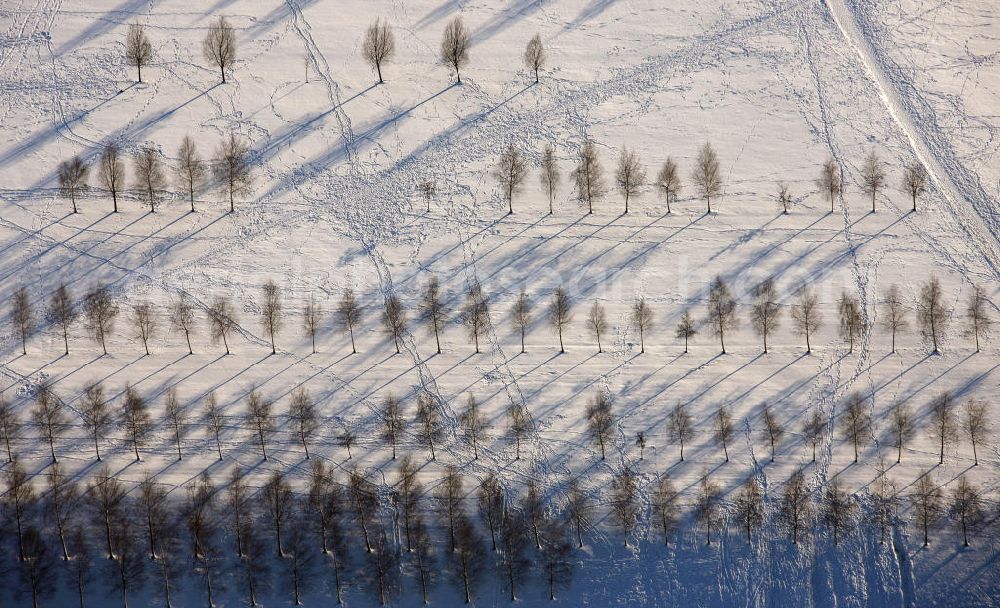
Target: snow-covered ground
x: 777, y: 87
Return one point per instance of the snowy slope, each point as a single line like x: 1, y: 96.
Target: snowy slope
x: 776, y: 87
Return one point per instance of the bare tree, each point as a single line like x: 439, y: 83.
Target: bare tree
x: 534, y: 55
x: 232, y: 168
x: 708, y: 505
x: 666, y: 507
x: 410, y: 493
x: 107, y: 494
x: 686, y: 329
x: 111, y: 171
x: 202, y: 523
x: 474, y: 425
x: 943, y: 423
x: 49, y: 415
x: 928, y: 503
x: 600, y: 422
x: 222, y: 318
x: 491, y: 503
x: 812, y: 429
x: 578, y: 508
x: 966, y: 506
x: 149, y: 176
x: 510, y: 173
x: 642, y: 318
x: 514, y: 558
x: 838, y: 510
x: 455, y: 46
x: 796, y: 507
x: 100, y: 312
x: 191, y: 170
x: 393, y: 423
x: 749, y: 506
x: 61, y: 502
x: 724, y: 429
x: 96, y: 413
x: 81, y: 566
x: 72, y: 176
x: 680, y: 427
x: 914, y: 181
x: 588, y: 175
x: 640, y: 442
x: 326, y: 501
x: 432, y: 309
x: 560, y: 313
x: 219, y: 45
x: 765, y: 315
x: 624, y: 500
x: 668, y: 180
x: 894, y: 317
x: 138, y: 49
x: 311, y: 316
x: 349, y: 314
x: 379, y: 45
x: 155, y: 511
x: 304, y: 417
x: 805, y: 315
x: 976, y: 424
x: 852, y: 324
x: 902, y: 426
x: 424, y: 557
x: 557, y: 559
x: 300, y: 558
x: 259, y: 418
x: 38, y: 568
x: 977, y: 315
x: 177, y: 418
x: 429, y: 429
x: 346, y: 439
x: 829, y: 180
x: 855, y: 422
x: 22, y: 316
x: 19, y: 500
x: 135, y: 421
x: 521, y: 424
x: 394, y: 319
x: 238, y: 504
x: 597, y: 321
x: 450, y: 493
x: 182, y: 318
x: 873, y: 176
x: 550, y: 173
x: 278, y: 498
x: 707, y: 176
x: 884, y: 501
x: 63, y: 312
x: 215, y: 420
x: 467, y: 558
x: 520, y: 315
x: 721, y: 310
x: 144, y: 322
x: 476, y: 315
x: 427, y: 190
x: 10, y: 425
x: 773, y: 427
x: 784, y: 197
x: 630, y: 176
x: 270, y: 311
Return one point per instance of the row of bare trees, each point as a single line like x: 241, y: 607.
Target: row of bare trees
x: 133, y: 418
x: 436, y: 312
x: 630, y: 178
x: 231, y: 170
x: 379, y: 46
x: 379, y: 537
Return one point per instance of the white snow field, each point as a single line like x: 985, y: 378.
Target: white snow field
x: 777, y: 87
